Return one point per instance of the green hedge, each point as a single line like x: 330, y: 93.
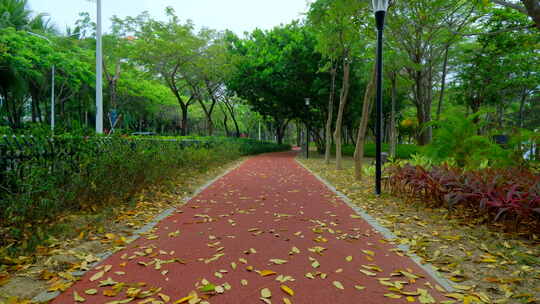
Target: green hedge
x: 402, y: 151
x: 93, y: 173
x: 252, y: 147
x: 247, y: 146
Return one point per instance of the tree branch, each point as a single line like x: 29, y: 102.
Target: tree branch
x: 510, y: 5
x: 502, y: 31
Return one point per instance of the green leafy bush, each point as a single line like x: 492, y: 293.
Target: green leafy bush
x: 247, y: 146
x: 72, y: 174
x: 4, y: 130
x: 456, y: 137
x: 403, y: 151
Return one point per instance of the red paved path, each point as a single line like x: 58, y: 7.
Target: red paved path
x: 291, y: 208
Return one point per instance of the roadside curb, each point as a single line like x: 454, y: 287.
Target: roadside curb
x: 47, y: 296
x: 428, y: 268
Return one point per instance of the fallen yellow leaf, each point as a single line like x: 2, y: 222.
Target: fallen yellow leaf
x: 287, y: 290
x: 77, y: 297
x: 97, y: 276
x: 338, y: 285
x: 265, y: 273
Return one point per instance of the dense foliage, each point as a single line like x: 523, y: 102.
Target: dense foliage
x: 140, y: 56
x: 459, y: 139
x: 403, y: 151
x: 42, y: 178
x: 165, y: 76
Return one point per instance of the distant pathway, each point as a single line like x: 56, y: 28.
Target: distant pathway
x: 269, y: 219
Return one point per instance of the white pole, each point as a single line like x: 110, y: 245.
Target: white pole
x: 99, y: 73
x: 52, y: 99
x: 260, y: 138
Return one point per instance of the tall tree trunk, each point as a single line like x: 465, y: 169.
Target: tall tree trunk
x: 330, y: 119
x: 350, y: 134
x: 443, y: 82
x: 522, y: 108
x: 225, y: 120
x: 236, y: 126
x: 423, y: 106
x: 362, y: 129
x: 281, y: 127
x: 537, y: 150
x: 393, y: 129
x: 298, y: 134
x: 422, y: 98
x: 342, y: 103
x: 424, y: 117
x: 184, y: 123
x: 34, y: 104
x: 209, y: 110
x: 500, y: 115
x: 38, y: 112
x: 533, y: 10
x: 210, y: 126
x: 230, y: 108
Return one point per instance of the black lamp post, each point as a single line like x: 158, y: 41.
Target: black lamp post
x: 379, y: 8
x: 308, y: 102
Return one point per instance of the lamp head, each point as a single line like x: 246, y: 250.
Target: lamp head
x: 308, y: 101
x: 380, y: 5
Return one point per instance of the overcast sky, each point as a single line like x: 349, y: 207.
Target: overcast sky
x: 236, y: 15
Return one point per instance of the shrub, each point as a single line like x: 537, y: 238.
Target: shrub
x: 246, y: 146
x: 47, y: 178
x: 511, y: 193
x: 403, y: 151
x: 456, y: 137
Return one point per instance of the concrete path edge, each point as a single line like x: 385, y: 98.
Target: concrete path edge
x: 47, y: 296
x: 428, y: 268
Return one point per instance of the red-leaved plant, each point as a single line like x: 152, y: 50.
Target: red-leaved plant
x: 504, y: 193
